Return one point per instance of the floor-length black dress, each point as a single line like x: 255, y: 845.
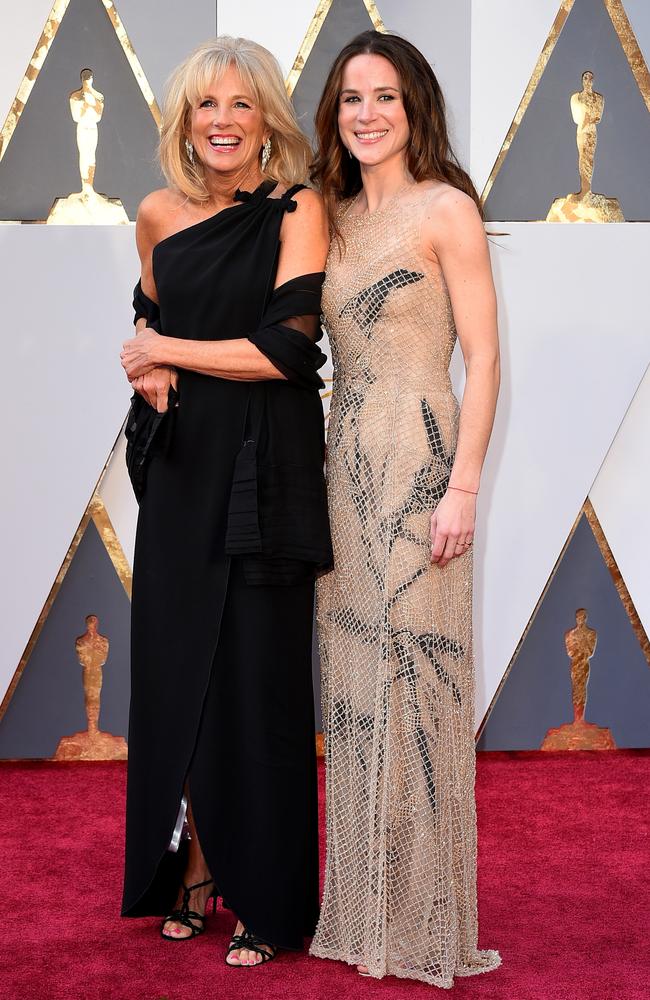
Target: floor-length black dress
x: 232, y: 530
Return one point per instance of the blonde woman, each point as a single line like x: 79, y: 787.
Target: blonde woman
x: 233, y: 526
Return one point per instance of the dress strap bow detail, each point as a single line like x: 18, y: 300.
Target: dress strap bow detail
x: 261, y: 191
x: 286, y: 203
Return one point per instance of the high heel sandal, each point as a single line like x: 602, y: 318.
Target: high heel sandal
x: 250, y: 943
x: 186, y: 917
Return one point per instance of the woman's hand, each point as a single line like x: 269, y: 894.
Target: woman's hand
x: 142, y: 353
x: 452, y: 526
x: 154, y: 387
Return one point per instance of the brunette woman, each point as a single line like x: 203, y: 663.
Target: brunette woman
x: 408, y: 273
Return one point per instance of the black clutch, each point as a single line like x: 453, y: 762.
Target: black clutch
x: 148, y: 433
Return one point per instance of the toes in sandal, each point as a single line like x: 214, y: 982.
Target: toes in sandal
x: 187, y: 917
x: 250, y: 943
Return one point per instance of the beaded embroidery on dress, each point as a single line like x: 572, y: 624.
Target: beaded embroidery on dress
x: 395, y: 630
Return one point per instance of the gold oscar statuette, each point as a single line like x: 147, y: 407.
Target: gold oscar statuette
x: 87, y: 207
x: 580, y: 643
x: 587, y: 108
x: 92, y: 743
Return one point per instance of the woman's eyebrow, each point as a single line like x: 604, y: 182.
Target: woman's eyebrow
x: 351, y: 90
x: 233, y: 97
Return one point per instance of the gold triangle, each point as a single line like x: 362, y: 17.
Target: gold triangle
x: 619, y: 582
x: 43, y: 46
x: 312, y: 33
x: 630, y: 47
x: 97, y: 513
x: 624, y: 594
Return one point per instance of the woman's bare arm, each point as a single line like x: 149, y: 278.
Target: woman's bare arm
x: 304, y: 245
x: 457, y: 238
x: 154, y: 385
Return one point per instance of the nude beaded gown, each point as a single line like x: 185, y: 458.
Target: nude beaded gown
x: 395, y: 630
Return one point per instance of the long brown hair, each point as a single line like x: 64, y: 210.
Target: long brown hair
x: 429, y: 155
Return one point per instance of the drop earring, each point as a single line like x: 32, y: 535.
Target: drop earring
x: 190, y: 150
x: 266, y: 153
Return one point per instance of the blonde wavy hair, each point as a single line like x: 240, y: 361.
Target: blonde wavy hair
x: 260, y: 71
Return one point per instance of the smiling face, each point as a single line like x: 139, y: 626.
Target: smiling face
x: 372, y: 120
x: 226, y: 126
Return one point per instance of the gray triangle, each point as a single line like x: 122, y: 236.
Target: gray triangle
x: 41, y: 160
x: 345, y: 19
x: 48, y: 702
x: 537, y: 693
x: 541, y: 164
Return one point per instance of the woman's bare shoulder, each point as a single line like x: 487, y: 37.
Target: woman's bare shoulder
x: 307, y: 196
x: 448, y: 212
x: 442, y: 197
x: 310, y: 202
x: 157, y: 205
x: 450, y: 219
x: 309, y: 216
x: 157, y: 216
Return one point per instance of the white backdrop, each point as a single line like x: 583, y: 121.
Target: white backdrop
x: 573, y: 305
x: 66, y: 307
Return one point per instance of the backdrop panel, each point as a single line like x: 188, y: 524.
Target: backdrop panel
x: 49, y: 703
x: 22, y: 24
x: 507, y: 38
x: 282, y: 30
x: 560, y: 654
x: 66, y: 295
x: 574, y: 352
x: 164, y: 32
x: 620, y: 497
x: 541, y: 162
x: 84, y: 39
x: 572, y: 302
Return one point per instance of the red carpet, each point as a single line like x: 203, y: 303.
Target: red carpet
x: 564, y: 893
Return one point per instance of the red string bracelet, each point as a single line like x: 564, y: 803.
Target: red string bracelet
x: 460, y: 488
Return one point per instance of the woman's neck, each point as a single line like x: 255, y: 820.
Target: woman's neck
x: 381, y: 182
x: 222, y: 186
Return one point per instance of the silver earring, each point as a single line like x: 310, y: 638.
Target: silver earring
x: 350, y: 153
x: 190, y: 150
x: 266, y: 153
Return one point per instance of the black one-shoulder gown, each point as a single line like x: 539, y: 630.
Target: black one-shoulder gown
x: 221, y: 644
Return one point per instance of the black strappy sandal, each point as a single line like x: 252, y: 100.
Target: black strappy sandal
x: 186, y: 917
x: 251, y: 943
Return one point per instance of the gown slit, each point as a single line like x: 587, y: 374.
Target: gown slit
x: 186, y: 785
